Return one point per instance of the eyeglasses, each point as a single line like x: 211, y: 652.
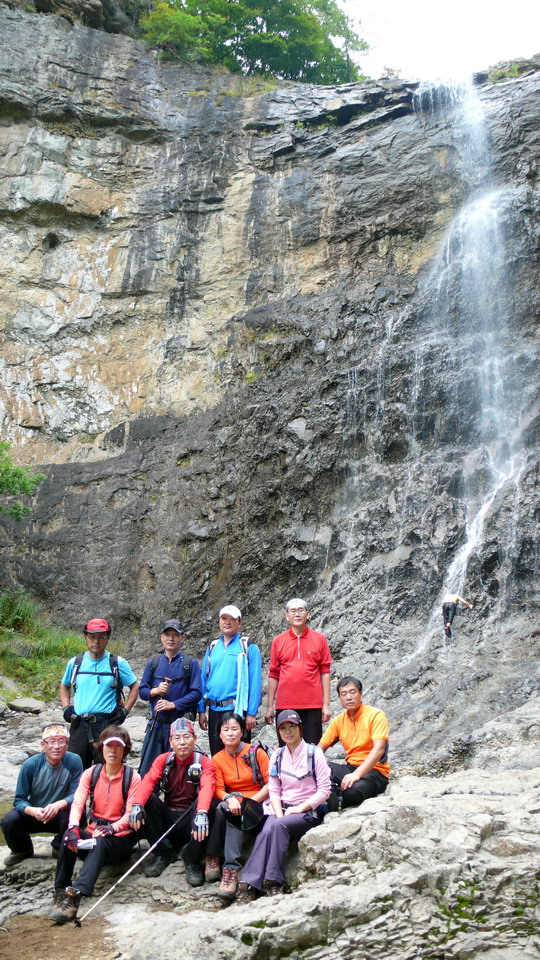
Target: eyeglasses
x: 182, y: 738
x: 56, y: 742
x: 297, y: 610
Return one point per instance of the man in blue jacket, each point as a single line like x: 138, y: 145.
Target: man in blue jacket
x: 231, y: 677
x: 172, y: 684
x: 43, y: 795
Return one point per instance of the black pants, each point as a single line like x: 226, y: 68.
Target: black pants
x: 107, y: 850
x: 371, y: 785
x: 448, y: 612
x: 214, y: 718
x: 18, y: 828
x: 159, y: 818
x: 311, y: 723
x: 83, y: 735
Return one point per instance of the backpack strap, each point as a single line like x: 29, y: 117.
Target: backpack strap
x: 114, y: 673
x: 276, y: 769
x: 167, y: 771
x: 254, y: 763
x: 76, y: 666
x: 96, y: 771
x: 245, y: 643
x: 127, y: 777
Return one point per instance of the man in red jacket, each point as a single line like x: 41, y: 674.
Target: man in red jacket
x: 299, y: 674
x: 187, y: 780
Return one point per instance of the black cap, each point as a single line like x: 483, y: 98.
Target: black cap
x: 288, y: 716
x: 173, y: 625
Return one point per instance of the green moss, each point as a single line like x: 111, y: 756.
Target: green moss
x: 251, y: 377
x: 184, y: 461
x: 502, y: 73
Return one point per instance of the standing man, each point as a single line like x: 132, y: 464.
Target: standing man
x: 231, y: 678
x: 97, y: 678
x: 449, y: 608
x: 43, y: 796
x: 299, y: 674
x: 172, y: 684
x: 363, y: 732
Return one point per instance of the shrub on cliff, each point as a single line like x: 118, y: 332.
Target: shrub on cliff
x: 15, y: 482
x: 292, y: 39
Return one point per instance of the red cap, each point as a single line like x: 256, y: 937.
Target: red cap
x: 97, y: 626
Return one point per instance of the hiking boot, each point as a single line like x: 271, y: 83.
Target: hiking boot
x: 271, y: 888
x: 229, y: 884
x: 247, y: 893
x: 154, y: 866
x: 65, y: 905
x: 194, y: 874
x: 13, y: 858
x: 212, y: 869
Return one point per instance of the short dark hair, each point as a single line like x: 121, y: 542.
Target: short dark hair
x: 113, y: 731
x: 345, y: 681
x: 229, y: 715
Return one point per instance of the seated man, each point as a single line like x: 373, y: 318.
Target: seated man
x: 45, y: 789
x: 363, y: 732
x: 187, y: 780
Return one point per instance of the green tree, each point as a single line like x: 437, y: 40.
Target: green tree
x: 15, y: 482
x: 309, y: 40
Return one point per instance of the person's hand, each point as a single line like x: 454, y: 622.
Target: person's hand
x: 69, y: 713
x: 136, y: 816
x: 164, y: 705
x: 203, y: 721
x: 200, y: 825
x: 35, y: 812
x: 71, y: 838
x: 299, y: 808
x: 235, y: 805
x: 348, y: 780
x: 251, y: 721
x: 161, y: 690
x: 51, y: 810
x: 105, y: 830
x: 270, y: 714
x: 326, y: 713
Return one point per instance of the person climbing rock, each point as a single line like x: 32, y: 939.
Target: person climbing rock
x: 363, y: 732
x: 449, y: 608
x: 97, y: 678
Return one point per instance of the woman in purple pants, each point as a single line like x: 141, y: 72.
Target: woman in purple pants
x: 299, y: 784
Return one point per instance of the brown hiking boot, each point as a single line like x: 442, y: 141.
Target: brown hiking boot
x: 212, y: 869
x: 65, y: 905
x: 247, y: 893
x: 229, y: 884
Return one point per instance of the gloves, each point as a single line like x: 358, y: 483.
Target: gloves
x: 121, y: 715
x: 201, y: 821
x: 71, y: 838
x: 69, y: 713
x: 136, y: 814
x: 107, y: 829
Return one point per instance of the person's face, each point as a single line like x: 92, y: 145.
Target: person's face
x: 350, y: 696
x: 290, y: 733
x: 231, y: 734
x: 297, y: 617
x: 113, y: 753
x: 172, y: 641
x: 96, y: 643
x: 229, y: 626
x: 183, y: 744
x: 54, y: 749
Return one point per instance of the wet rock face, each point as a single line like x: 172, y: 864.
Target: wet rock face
x: 247, y: 333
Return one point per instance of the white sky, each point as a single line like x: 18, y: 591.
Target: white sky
x: 430, y: 39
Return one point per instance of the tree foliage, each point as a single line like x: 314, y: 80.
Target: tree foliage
x: 14, y: 483
x: 308, y: 40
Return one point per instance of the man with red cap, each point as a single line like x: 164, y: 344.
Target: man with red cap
x: 97, y: 678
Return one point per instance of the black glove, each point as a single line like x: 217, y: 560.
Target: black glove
x: 136, y: 814
x: 71, y: 838
x: 121, y: 715
x: 69, y: 713
x: 107, y: 829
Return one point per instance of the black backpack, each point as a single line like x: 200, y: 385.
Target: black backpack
x: 127, y: 777
x: 114, y: 673
x: 194, y: 770
x: 250, y: 760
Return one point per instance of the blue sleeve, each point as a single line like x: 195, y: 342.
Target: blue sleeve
x: 144, y: 689
x: 73, y: 763
x: 24, y: 783
x: 255, y: 679
x: 192, y: 698
x: 201, y: 707
x: 127, y: 677
x: 68, y: 673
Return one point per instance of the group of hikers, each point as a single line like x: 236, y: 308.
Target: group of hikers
x: 185, y: 803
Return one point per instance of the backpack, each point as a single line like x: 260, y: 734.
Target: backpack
x: 245, y: 642
x: 250, y: 760
x: 194, y: 770
x: 190, y: 714
x: 276, y: 769
x: 114, y: 673
x: 126, y: 783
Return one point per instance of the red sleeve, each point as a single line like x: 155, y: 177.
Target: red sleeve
x: 326, y: 657
x: 273, y: 670
x: 208, y: 782
x: 149, y: 781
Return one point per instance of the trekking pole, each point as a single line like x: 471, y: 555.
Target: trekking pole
x: 124, y: 875
x: 147, y: 740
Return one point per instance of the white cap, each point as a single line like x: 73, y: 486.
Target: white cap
x: 231, y: 611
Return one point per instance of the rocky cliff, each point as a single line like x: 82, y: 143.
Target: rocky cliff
x: 271, y: 342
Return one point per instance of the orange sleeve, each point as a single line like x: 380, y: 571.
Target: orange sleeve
x: 331, y: 735
x: 219, y: 788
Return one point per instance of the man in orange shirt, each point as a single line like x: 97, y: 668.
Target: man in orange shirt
x: 363, y: 732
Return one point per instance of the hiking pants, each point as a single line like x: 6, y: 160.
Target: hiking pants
x: 448, y: 612
x: 84, y: 733
x: 159, y: 818
x: 228, y: 838
x: 18, y: 828
x: 371, y: 785
x: 155, y: 742
x: 267, y: 860
x: 107, y: 850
